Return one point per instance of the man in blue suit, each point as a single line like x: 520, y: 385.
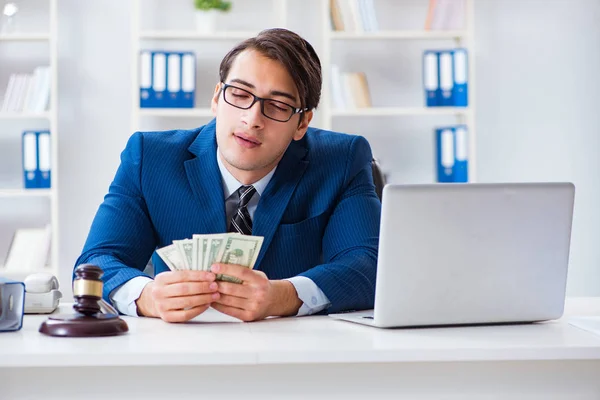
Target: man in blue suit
x: 308, y: 192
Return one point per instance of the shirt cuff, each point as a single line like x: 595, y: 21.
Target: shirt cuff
x: 313, y: 298
x: 124, y: 297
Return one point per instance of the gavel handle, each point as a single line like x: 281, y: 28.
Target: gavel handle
x: 106, y: 308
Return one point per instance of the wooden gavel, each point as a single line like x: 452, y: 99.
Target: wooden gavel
x: 87, y: 320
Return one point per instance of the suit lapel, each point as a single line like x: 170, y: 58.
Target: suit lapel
x: 278, y: 193
x: 205, y: 179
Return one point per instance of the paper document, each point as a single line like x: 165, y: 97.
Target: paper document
x: 590, y: 324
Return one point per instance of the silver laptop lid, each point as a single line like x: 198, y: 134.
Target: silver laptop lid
x: 473, y: 253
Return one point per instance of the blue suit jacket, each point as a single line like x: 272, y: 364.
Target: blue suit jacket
x: 319, y: 214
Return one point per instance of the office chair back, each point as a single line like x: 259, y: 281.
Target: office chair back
x: 378, y: 177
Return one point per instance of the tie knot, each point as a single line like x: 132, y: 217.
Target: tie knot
x: 245, y: 193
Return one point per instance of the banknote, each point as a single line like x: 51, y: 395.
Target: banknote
x: 197, y: 251
x: 185, y: 247
x: 213, y: 251
x: 172, y: 257
x: 242, y: 250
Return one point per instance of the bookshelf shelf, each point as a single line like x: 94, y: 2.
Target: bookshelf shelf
x: 175, y: 112
x: 25, y: 37
x: 400, y: 111
x: 191, y: 35
x: 343, y: 85
x: 393, y: 35
x: 25, y: 115
x: 5, y: 193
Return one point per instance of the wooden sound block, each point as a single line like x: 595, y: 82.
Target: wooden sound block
x: 79, y: 325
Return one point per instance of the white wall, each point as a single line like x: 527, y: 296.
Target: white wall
x: 536, y: 94
x: 538, y: 119
x: 94, y: 110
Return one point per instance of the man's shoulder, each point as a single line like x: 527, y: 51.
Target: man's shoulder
x: 172, y: 138
x: 331, y: 142
x: 323, y: 137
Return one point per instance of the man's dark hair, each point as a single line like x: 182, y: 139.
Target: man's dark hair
x: 293, y: 52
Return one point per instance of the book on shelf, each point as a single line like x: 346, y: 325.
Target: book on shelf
x: 444, y: 15
x: 29, y: 249
x: 27, y: 92
x: 353, y: 15
x: 350, y: 90
x: 167, y: 79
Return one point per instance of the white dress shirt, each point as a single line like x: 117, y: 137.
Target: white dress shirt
x: 312, y: 297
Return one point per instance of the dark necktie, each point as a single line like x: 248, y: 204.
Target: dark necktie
x: 241, y: 221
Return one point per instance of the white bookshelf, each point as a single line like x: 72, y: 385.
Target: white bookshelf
x: 458, y: 38
x: 25, y: 193
x: 400, y: 111
x: 191, y: 35
x: 392, y: 35
x: 330, y: 39
x: 51, y: 116
x: 25, y: 115
x: 141, y: 36
x: 176, y: 112
x: 25, y: 37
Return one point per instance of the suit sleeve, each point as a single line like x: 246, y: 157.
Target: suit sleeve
x: 121, y: 238
x: 351, y: 239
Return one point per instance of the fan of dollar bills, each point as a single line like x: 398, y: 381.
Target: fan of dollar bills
x: 201, y: 251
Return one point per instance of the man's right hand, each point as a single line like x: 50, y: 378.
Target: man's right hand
x: 178, y: 296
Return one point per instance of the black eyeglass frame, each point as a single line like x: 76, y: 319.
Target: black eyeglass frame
x: 262, y: 103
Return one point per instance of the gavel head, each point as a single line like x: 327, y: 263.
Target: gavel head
x: 87, y: 289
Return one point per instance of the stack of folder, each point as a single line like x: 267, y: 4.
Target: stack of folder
x: 452, y: 154
x: 445, y: 78
x: 167, y: 79
x: 37, y: 168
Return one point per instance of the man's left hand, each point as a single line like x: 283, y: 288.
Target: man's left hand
x: 256, y: 297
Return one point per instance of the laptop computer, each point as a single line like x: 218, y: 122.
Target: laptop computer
x: 478, y: 253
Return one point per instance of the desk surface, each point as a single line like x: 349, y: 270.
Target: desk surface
x: 215, y: 339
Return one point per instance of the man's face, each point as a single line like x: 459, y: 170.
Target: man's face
x: 250, y: 144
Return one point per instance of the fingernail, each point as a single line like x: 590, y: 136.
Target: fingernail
x: 213, y: 286
x: 215, y: 296
x: 215, y: 268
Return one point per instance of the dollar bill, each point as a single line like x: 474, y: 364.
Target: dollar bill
x: 201, y: 244
x: 213, y: 250
x: 205, y: 244
x: 197, y: 254
x: 172, y: 257
x: 185, y: 247
x: 241, y: 250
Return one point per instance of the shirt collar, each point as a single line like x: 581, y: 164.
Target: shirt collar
x: 230, y: 184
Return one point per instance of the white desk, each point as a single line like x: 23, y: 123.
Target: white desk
x: 305, y: 358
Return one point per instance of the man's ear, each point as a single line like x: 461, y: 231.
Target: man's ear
x: 215, y: 99
x: 303, y: 126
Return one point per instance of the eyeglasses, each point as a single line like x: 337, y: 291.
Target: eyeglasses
x: 272, y: 109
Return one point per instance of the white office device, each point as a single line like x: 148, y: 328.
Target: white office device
x: 454, y: 254
x: 41, y: 293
